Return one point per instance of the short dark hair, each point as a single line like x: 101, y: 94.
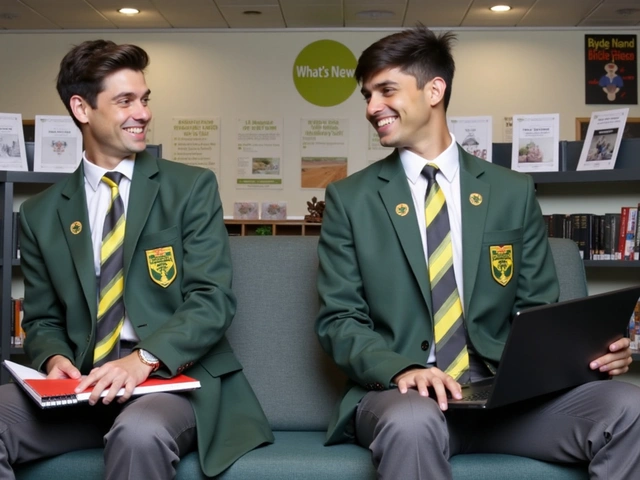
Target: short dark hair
x: 417, y: 51
x: 84, y: 68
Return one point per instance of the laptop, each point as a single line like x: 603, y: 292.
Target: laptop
x: 550, y: 347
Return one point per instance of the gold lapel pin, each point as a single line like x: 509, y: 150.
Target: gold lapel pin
x: 76, y: 227
x: 402, y: 209
x: 475, y: 199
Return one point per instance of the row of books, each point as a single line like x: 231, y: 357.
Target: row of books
x: 612, y: 236
x: 17, y: 313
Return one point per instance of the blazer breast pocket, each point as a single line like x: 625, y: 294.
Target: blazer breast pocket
x: 158, y: 239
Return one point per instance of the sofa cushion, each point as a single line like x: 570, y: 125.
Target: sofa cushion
x: 300, y: 455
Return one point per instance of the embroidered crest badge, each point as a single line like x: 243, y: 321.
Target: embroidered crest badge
x: 162, y: 266
x: 501, y: 263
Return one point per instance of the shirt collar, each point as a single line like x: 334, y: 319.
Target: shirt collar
x: 448, y: 162
x: 93, y: 173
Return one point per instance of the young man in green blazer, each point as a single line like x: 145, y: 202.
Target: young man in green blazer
x: 376, y: 318
x: 173, y: 289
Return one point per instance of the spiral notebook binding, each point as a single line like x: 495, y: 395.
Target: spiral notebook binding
x: 59, y: 401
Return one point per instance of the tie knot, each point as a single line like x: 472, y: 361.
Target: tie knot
x: 112, y: 178
x: 429, y: 171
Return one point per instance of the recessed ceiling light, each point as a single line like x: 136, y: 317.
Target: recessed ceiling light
x: 252, y: 12
x: 500, y: 8
x: 375, y: 14
x: 129, y: 11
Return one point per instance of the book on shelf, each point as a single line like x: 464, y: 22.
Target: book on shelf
x: 17, y: 333
x: 636, y: 247
x: 49, y: 393
x: 15, y: 234
x: 628, y: 245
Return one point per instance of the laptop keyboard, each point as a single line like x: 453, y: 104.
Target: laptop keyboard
x: 476, y: 396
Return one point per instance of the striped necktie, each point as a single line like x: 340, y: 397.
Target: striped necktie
x: 452, y: 356
x: 111, y: 303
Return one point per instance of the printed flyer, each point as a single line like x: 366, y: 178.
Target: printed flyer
x: 196, y: 141
x: 260, y: 153
x: 58, y: 144
x: 474, y: 135
x: 536, y: 143
x: 324, y: 149
x: 13, y: 155
x: 603, y: 139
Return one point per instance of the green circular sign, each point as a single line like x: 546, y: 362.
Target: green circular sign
x: 323, y: 73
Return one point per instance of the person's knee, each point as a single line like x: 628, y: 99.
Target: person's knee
x: 146, y: 434
x: 623, y: 403
x: 412, y: 418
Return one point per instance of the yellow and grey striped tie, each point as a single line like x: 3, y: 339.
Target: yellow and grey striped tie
x: 452, y: 356
x: 111, y: 285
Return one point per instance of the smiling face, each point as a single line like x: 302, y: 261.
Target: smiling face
x: 115, y: 129
x: 399, y: 111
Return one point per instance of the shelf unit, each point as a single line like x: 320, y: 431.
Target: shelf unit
x: 8, y: 182
x: 622, y: 178
x: 278, y: 227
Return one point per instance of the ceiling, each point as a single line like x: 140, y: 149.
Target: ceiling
x: 51, y: 15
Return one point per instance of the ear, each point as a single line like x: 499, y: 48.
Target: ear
x: 437, y: 86
x: 79, y: 108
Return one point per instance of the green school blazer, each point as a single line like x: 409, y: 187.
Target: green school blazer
x: 375, y: 318
x: 176, y: 208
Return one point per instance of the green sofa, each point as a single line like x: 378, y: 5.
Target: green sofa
x: 298, y: 385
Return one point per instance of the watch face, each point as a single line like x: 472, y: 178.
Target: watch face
x: 148, y: 357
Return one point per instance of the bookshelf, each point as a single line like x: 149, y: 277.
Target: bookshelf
x: 10, y: 182
x: 278, y: 227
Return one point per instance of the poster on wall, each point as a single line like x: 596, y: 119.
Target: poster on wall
x: 611, y: 69
x: 375, y: 151
x: 13, y: 155
x: 57, y: 145
x: 260, y: 154
x: 474, y: 135
x: 507, y: 129
x: 196, y: 141
x: 602, y: 141
x: 324, y: 149
x: 535, y: 146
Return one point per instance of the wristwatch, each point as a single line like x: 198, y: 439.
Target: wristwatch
x: 148, y: 359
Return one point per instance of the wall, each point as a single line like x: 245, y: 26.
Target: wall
x: 231, y: 74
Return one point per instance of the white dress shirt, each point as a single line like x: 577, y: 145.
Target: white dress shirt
x: 448, y: 179
x: 98, y: 196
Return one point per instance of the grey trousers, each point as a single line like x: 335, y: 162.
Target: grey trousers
x: 596, y: 423
x: 144, y: 438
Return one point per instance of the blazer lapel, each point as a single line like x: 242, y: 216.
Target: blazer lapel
x: 141, y: 197
x: 72, y: 213
x: 397, y: 199
x: 474, y: 205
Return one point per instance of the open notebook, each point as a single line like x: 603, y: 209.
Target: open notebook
x: 48, y: 393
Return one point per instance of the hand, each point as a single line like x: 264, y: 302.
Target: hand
x: 127, y: 372
x: 617, y: 362
x: 60, y: 367
x: 423, y: 378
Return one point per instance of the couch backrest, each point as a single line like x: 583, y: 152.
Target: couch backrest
x: 273, y: 333
x: 570, y: 268
x: 274, y: 279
